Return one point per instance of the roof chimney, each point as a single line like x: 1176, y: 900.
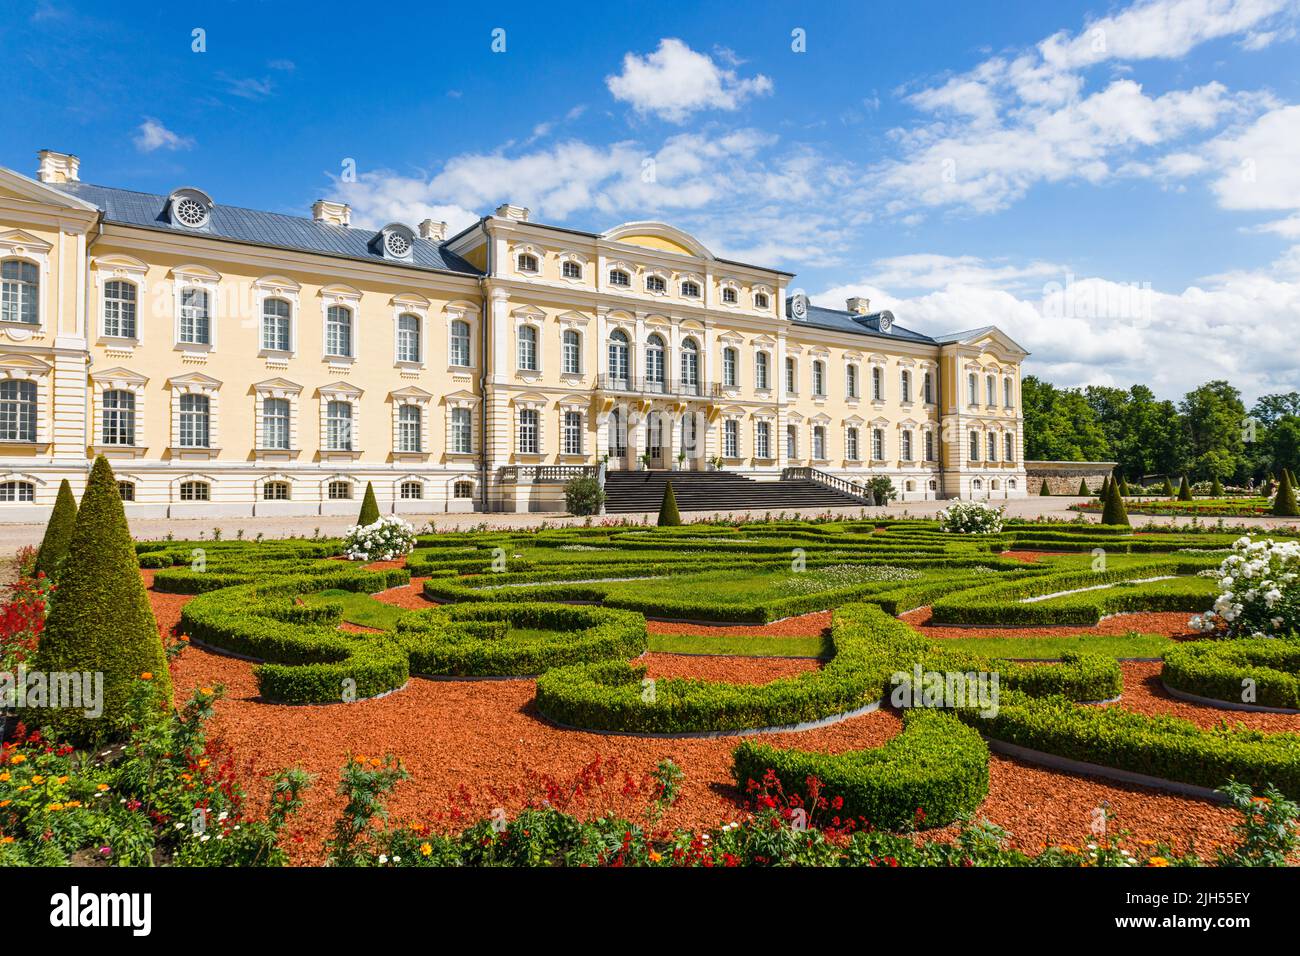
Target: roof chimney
x: 334, y: 213
x: 511, y: 211
x: 859, y: 304
x: 57, y: 167
x: 436, y: 231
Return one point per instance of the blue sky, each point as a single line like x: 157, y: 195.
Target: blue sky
x: 1117, y: 186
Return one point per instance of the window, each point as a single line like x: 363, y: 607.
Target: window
x: 195, y: 421
x: 851, y: 380
x: 275, y: 423
x: 877, y: 383
x: 791, y: 376
x: 1006, y: 392
x: 851, y: 445
x: 819, y: 379
x: 619, y: 278
x: 462, y: 431
x: 20, y: 287
x: 819, y: 442
x: 929, y: 446
x: 338, y: 426
x: 196, y: 491
x: 617, y: 435
x: 654, y: 362
x: 411, y: 490
x: 791, y: 441
x: 906, y: 449
x: 992, y: 447
x: 527, y: 262
x: 730, y: 358
x: 729, y: 295
x: 571, y: 352
x: 905, y: 386
x: 119, y: 417
x: 409, y: 421
x: 528, y: 348
x: 690, y: 290
x: 408, y: 338
x: 573, y: 433
x: 976, y: 485
x: 458, y: 353
x: 878, y: 444
x: 126, y: 490
x: 338, y: 331
x: 760, y: 300
x: 275, y: 325
x: 17, y: 410
x: 731, y: 438
x: 1009, y: 447
x: 462, y: 489
x: 119, y: 309
x: 690, y: 363
x: 528, y: 444
x: 974, y: 446
x: 761, y: 375
x: 275, y: 491
x: 196, y: 317
x: 763, y: 440
x: 339, y: 490
x: 989, y: 390
x: 972, y: 389
x: 655, y: 283
x: 618, y: 357
x: 927, y: 388
x: 571, y: 269
x: 17, y: 491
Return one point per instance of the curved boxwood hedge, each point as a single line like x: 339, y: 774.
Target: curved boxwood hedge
x: 1218, y: 669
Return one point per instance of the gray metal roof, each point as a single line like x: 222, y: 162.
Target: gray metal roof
x: 149, y: 211
x: 842, y: 321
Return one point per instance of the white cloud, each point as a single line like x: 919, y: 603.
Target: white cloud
x: 152, y: 135
x: 1259, y: 166
x: 675, y: 81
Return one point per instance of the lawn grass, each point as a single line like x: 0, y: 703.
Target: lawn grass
x: 741, y: 645
x: 360, y: 609
x: 1050, y: 648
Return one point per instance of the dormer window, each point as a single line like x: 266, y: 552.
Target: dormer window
x: 527, y: 262
x: 729, y: 295
x: 655, y: 284
x: 394, y: 241
x: 760, y: 300
x: 189, y: 208
x: 619, y: 277
x: 691, y: 290
x: 397, y: 245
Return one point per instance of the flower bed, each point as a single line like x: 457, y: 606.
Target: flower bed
x: 1259, y: 591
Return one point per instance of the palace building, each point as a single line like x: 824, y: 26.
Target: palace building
x: 236, y: 362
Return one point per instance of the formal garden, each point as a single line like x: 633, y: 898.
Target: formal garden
x: 967, y: 691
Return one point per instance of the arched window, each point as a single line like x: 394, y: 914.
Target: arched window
x: 763, y: 440
x: 409, y: 422
x: 654, y: 283
x: 906, y: 449
x: 339, y: 490
x: 878, y: 444
x: 275, y: 491
x: 17, y: 410
x: 126, y: 490
x: 977, y: 485
x: 529, y: 441
x: 196, y: 491
x: 119, y: 417
x: 1009, y: 447
x: 572, y: 352
x: 408, y: 338
x: 462, y: 489
x: 617, y: 435
x: 528, y: 348
x: 411, y: 490
x: 992, y: 446
x: 690, y: 290
x: 1006, y: 392
x: 459, y: 348
x: 120, y: 309
x: 275, y: 325
x: 731, y: 438
x: 909, y: 486
x: 573, y: 429
x: 527, y: 262
x: 927, y: 388
x: 728, y: 295
x: 972, y: 389
x: 762, y: 377
x: 620, y: 278
x: 571, y: 269
x: 17, y: 491
x: 730, y: 361
x: 690, y: 364
x: 974, y: 446
x: 619, y: 360
x: 760, y: 300
x: 338, y: 426
x: 851, y: 449
x: 929, y: 446
x: 196, y: 421
x: 654, y: 363
x: 196, y: 316
x: 905, y: 386
x: 990, y: 390
x: 338, y: 331
x: 1011, y: 484
x: 20, y: 286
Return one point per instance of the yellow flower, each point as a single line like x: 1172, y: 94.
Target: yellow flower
x: 6, y: 839
x: 23, y: 788
x: 5, y: 803
x: 425, y: 849
x: 205, y: 691
x: 55, y: 807
x: 73, y: 804
x: 1157, y: 861
x: 37, y: 779
x: 102, y: 787
x: 359, y: 758
x: 655, y: 857
x: 63, y: 779
x: 146, y: 676
x: 1070, y: 849
x: 4, y: 778
x: 17, y: 759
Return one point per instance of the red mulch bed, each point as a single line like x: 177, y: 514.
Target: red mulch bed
x: 1168, y: 623
x: 1030, y: 557
x: 409, y: 596
x: 1144, y: 693
x: 736, y: 669
x: 805, y: 625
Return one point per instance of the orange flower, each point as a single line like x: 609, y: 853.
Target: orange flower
x: 5, y: 803
x: 425, y: 849
x: 1157, y: 861
x: 37, y: 779
x: 6, y: 839
x: 4, y: 777
x: 146, y: 676
x: 205, y: 691
x: 18, y: 758
x: 102, y: 787
x: 63, y: 779
x: 655, y: 857
x: 55, y: 807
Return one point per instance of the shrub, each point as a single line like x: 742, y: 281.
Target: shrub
x: 881, y: 489
x: 369, y: 507
x: 1284, y: 504
x: 1216, y: 488
x: 1114, y: 511
x: 1220, y: 669
x: 1184, y: 490
x: 584, y: 496
x: 1167, y: 489
x: 101, y: 620
x: 1083, y: 488
x: 54, y: 546
x: 668, y: 516
x: 384, y: 539
x: 1123, y: 486
x: 1259, y: 591
x: 970, y: 517
x: 1044, y: 490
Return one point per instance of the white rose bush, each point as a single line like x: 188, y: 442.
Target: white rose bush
x: 387, y: 539
x: 1259, y: 591
x: 970, y: 517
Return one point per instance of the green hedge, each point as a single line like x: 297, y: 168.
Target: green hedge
x: 1218, y: 668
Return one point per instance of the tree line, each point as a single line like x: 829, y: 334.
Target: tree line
x: 1208, y: 434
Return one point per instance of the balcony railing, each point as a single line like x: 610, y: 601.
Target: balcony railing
x: 854, y: 488
x: 538, y: 473
x: 646, y: 386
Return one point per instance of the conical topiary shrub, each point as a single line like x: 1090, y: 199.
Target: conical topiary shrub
x: 1168, y: 489
x: 1105, y: 488
x: 1114, y: 511
x: 101, y: 621
x: 369, y: 507
x: 1184, y: 490
x: 1284, y: 504
x: 1083, y: 487
x: 54, y: 546
x: 668, y: 516
x: 1044, y: 490
x: 1216, y: 488
x: 1123, y: 486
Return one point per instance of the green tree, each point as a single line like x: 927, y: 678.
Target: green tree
x: 583, y: 495
x: 369, y: 507
x: 1168, y: 489
x: 1113, y: 511
x: 1271, y: 409
x: 1284, y: 504
x: 1083, y: 487
x: 1213, y: 415
x: 668, y: 516
x: 1060, y: 425
x: 54, y: 546
x: 101, y: 621
x: 1216, y: 488
x: 1044, y: 489
x: 1184, y: 490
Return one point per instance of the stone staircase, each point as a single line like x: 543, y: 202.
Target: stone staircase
x: 633, y: 491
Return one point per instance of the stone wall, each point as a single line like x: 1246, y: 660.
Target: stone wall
x: 1063, y: 476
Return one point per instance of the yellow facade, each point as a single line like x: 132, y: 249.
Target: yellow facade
x: 276, y: 371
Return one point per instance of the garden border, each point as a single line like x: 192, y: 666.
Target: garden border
x: 869, y: 708
x: 1224, y: 704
